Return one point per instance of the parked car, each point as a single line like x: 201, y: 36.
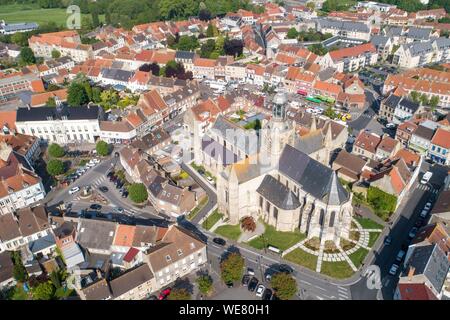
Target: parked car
x: 252, y: 284
x: 400, y: 255
x: 424, y: 213
x: 412, y: 233
x: 103, y: 189
x: 164, y: 294
x: 419, y: 223
x: 74, y: 190
x: 125, y: 194
x: 426, y: 177
x: 250, y: 272
x: 219, y: 241
x: 153, y: 297
x: 428, y: 206
x: 119, y: 209
x: 245, y: 280
x: 260, y: 290
x: 110, y: 174
x: 387, y: 240
x: 394, y: 269
x: 391, y: 125
x: 229, y: 284
x: 95, y: 206
x: 268, y: 277
x: 267, y: 295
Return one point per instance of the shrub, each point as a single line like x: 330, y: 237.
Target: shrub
x: 248, y: 224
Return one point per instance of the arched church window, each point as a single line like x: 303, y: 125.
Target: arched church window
x: 332, y: 217
x: 321, y: 217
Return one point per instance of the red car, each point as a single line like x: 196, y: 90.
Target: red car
x: 164, y: 294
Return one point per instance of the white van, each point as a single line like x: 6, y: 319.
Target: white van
x: 426, y: 177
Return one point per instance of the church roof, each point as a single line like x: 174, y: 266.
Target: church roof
x: 309, y: 143
x: 312, y: 176
x: 278, y: 194
x: 245, y: 140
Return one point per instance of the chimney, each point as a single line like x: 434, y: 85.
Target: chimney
x: 411, y: 272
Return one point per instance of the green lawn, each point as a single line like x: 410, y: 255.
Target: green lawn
x: 338, y: 270
x: 212, y: 220
x: 61, y: 293
x: 196, y: 210
x: 13, y: 13
x: 358, y: 256
x: 229, y: 231
x: 367, y: 223
x: 281, y: 240
x: 373, y: 236
x: 302, y: 258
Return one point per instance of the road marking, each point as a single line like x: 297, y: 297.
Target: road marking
x: 306, y: 282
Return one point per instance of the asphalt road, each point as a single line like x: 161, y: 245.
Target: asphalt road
x: 405, y: 219
x: 96, y: 177
x: 311, y: 286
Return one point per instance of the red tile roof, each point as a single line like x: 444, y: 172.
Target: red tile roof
x: 441, y: 138
x: 352, y: 51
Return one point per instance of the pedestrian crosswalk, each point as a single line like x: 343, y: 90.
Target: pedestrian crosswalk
x: 425, y: 187
x: 99, y: 181
x: 343, y: 293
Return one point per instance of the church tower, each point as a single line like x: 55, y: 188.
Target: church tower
x: 277, y: 132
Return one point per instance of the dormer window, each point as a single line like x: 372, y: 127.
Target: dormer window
x: 180, y: 252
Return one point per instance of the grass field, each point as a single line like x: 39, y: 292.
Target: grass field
x: 281, y: 240
x: 338, y: 270
x: 302, y: 258
x: 13, y: 13
x: 229, y: 231
x: 358, y: 256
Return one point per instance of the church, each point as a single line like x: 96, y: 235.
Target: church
x: 285, y: 186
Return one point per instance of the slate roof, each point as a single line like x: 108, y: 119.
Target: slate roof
x: 72, y: 113
x: 6, y: 266
x: 185, y: 55
x: 117, y: 74
x: 17, y: 27
x: 130, y: 280
x: 218, y: 152
x: 96, y: 234
x: 42, y: 243
x: 430, y: 261
x: 424, y: 132
x: 312, y: 176
x: 246, y: 141
x: 379, y: 40
x: 310, y: 143
x: 418, y: 48
x: 419, y: 33
x: 343, y: 25
x: 278, y: 194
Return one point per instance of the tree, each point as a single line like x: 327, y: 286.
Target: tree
x: 204, y: 15
x: 211, y: 31
x: 318, y: 49
x: 187, y: 43
x: 205, y: 283
x: 207, y: 48
x: 102, y: 148
x: 179, y: 294
x: 54, y: 277
x: 43, y: 291
x: 55, y: 167
x: 234, y: 47
x: 27, y: 56
x: 56, y: 54
x: 76, y: 94
x: 56, y: 151
x: 20, y: 38
x: 424, y: 99
x: 434, y: 101
x: 138, y: 192
x: 415, y: 96
x: 284, y: 285
x: 311, y: 5
x: 51, y: 102
x: 19, y: 271
x: 330, y: 113
x: 292, y: 33
x: 248, y: 224
x: 232, y: 267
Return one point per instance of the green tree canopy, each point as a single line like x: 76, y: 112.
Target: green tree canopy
x: 55, y: 167
x: 179, y: 294
x: 292, y: 33
x: 26, y: 56
x: 284, y: 285
x: 232, y: 267
x: 56, y: 54
x: 102, y: 148
x: 19, y: 271
x: 434, y: 101
x: 56, y: 151
x: 43, y: 291
x: 51, y: 102
x: 205, y: 283
x: 76, y: 94
x: 138, y: 192
x: 188, y: 43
